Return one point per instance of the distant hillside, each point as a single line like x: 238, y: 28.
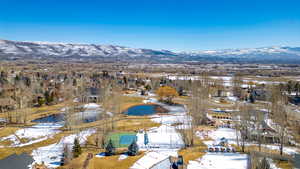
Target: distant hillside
x: 14, y: 50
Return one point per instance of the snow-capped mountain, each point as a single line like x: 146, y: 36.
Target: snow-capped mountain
x: 45, y: 50
x: 252, y: 52
x: 275, y: 54
x: 65, y: 50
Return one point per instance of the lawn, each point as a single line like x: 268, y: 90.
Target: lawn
x: 194, y: 152
x: 102, y: 163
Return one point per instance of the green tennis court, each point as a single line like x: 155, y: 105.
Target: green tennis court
x: 122, y: 139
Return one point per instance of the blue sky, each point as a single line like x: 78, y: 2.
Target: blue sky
x: 158, y: 24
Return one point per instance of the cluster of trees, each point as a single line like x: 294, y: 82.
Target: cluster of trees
x: 292, y: 86
x: 249, y: 120
x: 69, y: 154
x: 197, y: 105
x: 110, y: 149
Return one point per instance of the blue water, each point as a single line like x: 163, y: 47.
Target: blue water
x: 141, y: 110
x: 54, y: 118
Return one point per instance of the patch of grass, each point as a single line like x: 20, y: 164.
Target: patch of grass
x: 6, y: 131
x: 6, y: 142
x: 248, y: 149
x: 283, y: 164
x: 109, y: 162
x: 135, y: 123
x: 128, y: 101
x: 76, y: 162
x: 114, y: 163
x: 194, y: 152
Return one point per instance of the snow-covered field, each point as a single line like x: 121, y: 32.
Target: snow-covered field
x: 165, y: 137
x: 51, y: 155
x: 44, y: 131
x: 34, y: 134
x: 228, y: 133
x: 164, y: 141
x: 153, y: 157
x: 220, y: 161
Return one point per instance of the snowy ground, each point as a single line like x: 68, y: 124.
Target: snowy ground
x: 34, y: 134
x: 164, y: 136
x: 220, y: 160
x: 51, y: 155
x: 227, y: 160
x: 230, y: 135
x: 44, y: 131
x: 153, y: 157
x: 164, y: 141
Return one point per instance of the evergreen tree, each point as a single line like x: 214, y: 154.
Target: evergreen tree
x: 41, y: 101
x: 148, y: 87
x: 110, y: 148
x: 76, y: 148
x: 251, y: 98
x: 48, y: 97
x: 133, y: 148
x: 180, y: 91
x: 17, y: 78
x: 74, y: 82
x: 264, y: 164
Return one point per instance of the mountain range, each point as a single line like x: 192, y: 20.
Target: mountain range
x: 16, y: 50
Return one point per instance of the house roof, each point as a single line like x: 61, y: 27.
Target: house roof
x: 16, y: 161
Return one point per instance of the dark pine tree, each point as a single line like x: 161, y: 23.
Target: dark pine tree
x: 76, y: 148
x: 251, y: 98
x: 110, y: 148
x: 180, y: 91
x: 133, y: 149
x: 264, y: 164
x: 48, y: 97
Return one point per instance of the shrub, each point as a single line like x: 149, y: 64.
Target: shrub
x: 110, y: 149
x: 133, y: 149
x: 76, y: 148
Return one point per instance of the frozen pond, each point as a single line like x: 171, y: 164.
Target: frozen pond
x: 55, y: 118
x: 90, y: 114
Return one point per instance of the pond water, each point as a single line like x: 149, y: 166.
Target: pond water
x: 56, y: 118
x: 142, y: 110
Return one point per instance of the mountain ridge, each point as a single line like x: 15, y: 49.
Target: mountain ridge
x: 79, y: 51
